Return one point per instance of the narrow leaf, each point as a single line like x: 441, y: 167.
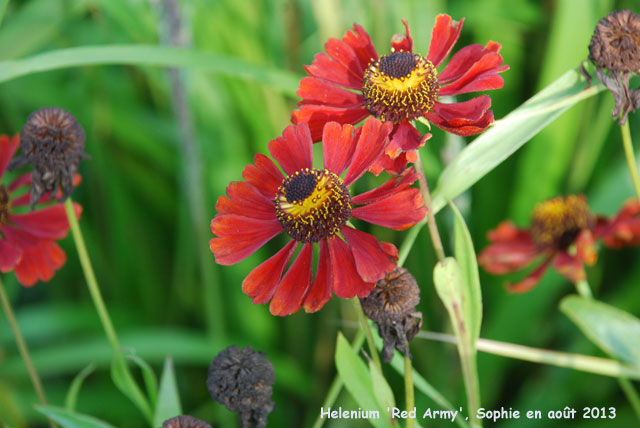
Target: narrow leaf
x: 354, y: 374
x: 168, y: 397
x: 614, y: 331
x: 466, y: 257
x: 3, y: 8
x: 69, y: 419
x: 76, y: 384
x: 149, y: 377
x: 381, y: 389
x: 122, y: 378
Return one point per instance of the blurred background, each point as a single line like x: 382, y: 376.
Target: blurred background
x: 165, y: 145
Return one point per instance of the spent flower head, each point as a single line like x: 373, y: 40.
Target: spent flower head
x: 185, y: 421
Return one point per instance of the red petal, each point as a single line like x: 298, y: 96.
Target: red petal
x: 402, y: 42
x: 8, y: 147
x: 238, y: 237
x: 405, y: 137
x: 444, y: 35
x: 245, y: 200
x: 264, y: 175
x: 530, y: 280
x: 398, y: 211
x: 586, y: 248
x: 481, y: 76
x: 293, y: 150
x: 263, y: 280
x: 372, y: 262
x: 18, y: 236
x: 361, y: 44
x: 23, y: 180
x: 623, y: 230
x: 461, y: 126
x: 9, y: 255
x: 49, y: 223
x: 371, y: 144
x: 317, y: 91
x: 469, y: 111
x: 509, y: 256
x: 320, y: 291
x: 338, y: 146
x: 316, y: 116
x: 393, y: 185
x: 294, y: 285
x: 346, y: 280
x: 570, y: 267
x: 39, y: 262
x: 464, y: 59
x: 392, y: 166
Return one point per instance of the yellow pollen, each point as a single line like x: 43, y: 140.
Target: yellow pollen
x: 556, y: 223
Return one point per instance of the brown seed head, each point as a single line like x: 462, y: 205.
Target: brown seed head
x: 242, y: 380
x: 615, y: 45
x: 392, y: 305
x: 185, y: 421
x: 53, y: 141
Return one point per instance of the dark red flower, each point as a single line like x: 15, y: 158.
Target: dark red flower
x: 28, y: 239
x: 314, y: 206
x: 623, y: 230
x: 350, y: 82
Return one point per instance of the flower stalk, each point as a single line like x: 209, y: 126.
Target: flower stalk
x: 629, y: 154
x: 408, y: 389
x: 23, y: 349
x: 431, y: 219
x: 364, y: 323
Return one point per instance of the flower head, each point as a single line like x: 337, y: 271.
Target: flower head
x: 242, y: 380
x: 351, y: 82
x: 28, y: 239
x: 615, y: 50
x: 185, y: 421
x: 563, y: 232
x: 392, y: 305
x: 53, y: 141
x: 313, y: 206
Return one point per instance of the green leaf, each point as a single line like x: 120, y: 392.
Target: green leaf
x: 509, y: 134
x: 3, y: 8
x: 76, y: 384
x: 381, y: 389
x: 149, y: 377
x: 466, y: 257
x: 357, y: 380
x: 159, y: 56
x: 69, y: 419
x: 168, y: 397
x: 614, y: 331
x: 127, y: 385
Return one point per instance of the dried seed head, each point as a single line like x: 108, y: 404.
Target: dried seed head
x: 392, y: 305
x: 615, y: 45
x: 185, y: 421
x: 242, y: 380
x: 53, y: 141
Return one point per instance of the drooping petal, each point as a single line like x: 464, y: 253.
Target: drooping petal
x: 468, y: 111
x: 586, y: 248
x: 461, y: 126
x: 262, y: 281
x: 8, y: 147
x: 393, y: 166
x: 347, y: 283
x: 293, y: 150
x: 295, y: 284
x: 18, y: 236
x: 22, y: 180
x: 9, y: 255
x: 370, y: 145
x: 511, y: 249
x: 39, y: 262
x: 571, y: 267
x: 317, y: 115
x: 623, y: 230
x: 320, y: 291
x: 338, y: 146
x: 444, y: 35
x: 393, y: 185
x: 464, y: 59
x: 530, y: 280
x: 399, y: 211
x: 481, y: 76
x: 26, y: 180
x: 361, y: 44
x: 245, y: 200
x: 372, y: 262
x: 317, y: 91
x: 264, y: 175
x: 238, y: 237
x: 47, y: 223
x: 405, y: 137
x: 402, y: 42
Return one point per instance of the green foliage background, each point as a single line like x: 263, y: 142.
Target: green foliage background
x: 162, y: 287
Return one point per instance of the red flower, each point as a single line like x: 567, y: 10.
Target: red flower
x: 350, y: 82
x: 313, y: 206
x: 28, y: 242
x: 562, y: 231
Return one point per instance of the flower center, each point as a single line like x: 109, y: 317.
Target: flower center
x: 312, y: 205
x: 400, y: 86
x: 556, y: 223
x: 615, y: 44
x: 5, y: 205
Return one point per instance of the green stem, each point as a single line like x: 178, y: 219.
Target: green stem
x: 583, y: 289
x: 22, y: 348
x: 426, y: 196
x: 631, y: 160
x: 408, y: 389
x: 631, y: 393
x: 364, y: 323
x: 337, y: 384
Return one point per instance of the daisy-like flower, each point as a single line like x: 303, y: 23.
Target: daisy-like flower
x: 28, y: 239
x: 563, y: 232
x: 351, y: 82
x: 313, y: 206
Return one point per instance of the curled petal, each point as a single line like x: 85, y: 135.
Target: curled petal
x: 402, y: 42
x: 624, y: 229
x: 320, y: 291
x: 372, y: 262
x: 295, y: 284
x: 347, y: 283
x: 571, y: 267
x: 238, y: 237
x: 530, y: 280
x: 444, y: 35
x: 370, y: 145
x: 405, y: 137
x: 263, y: 280
x: 393, y: 185
x: 511, y: 250
x: 399, y: 211
x: 461, y: 126
x: 293, y: 150
x: 317, y: 91
x: 395, y: 165
x: 586, y: 248
x: 264, y: 175
x: 481, y: 76
x: 464, y: 59
x: 338, y: 145
x: 316, y: 116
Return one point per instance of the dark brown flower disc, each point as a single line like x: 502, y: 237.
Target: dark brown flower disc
x: 185, y: 421
x: 615, y: 45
